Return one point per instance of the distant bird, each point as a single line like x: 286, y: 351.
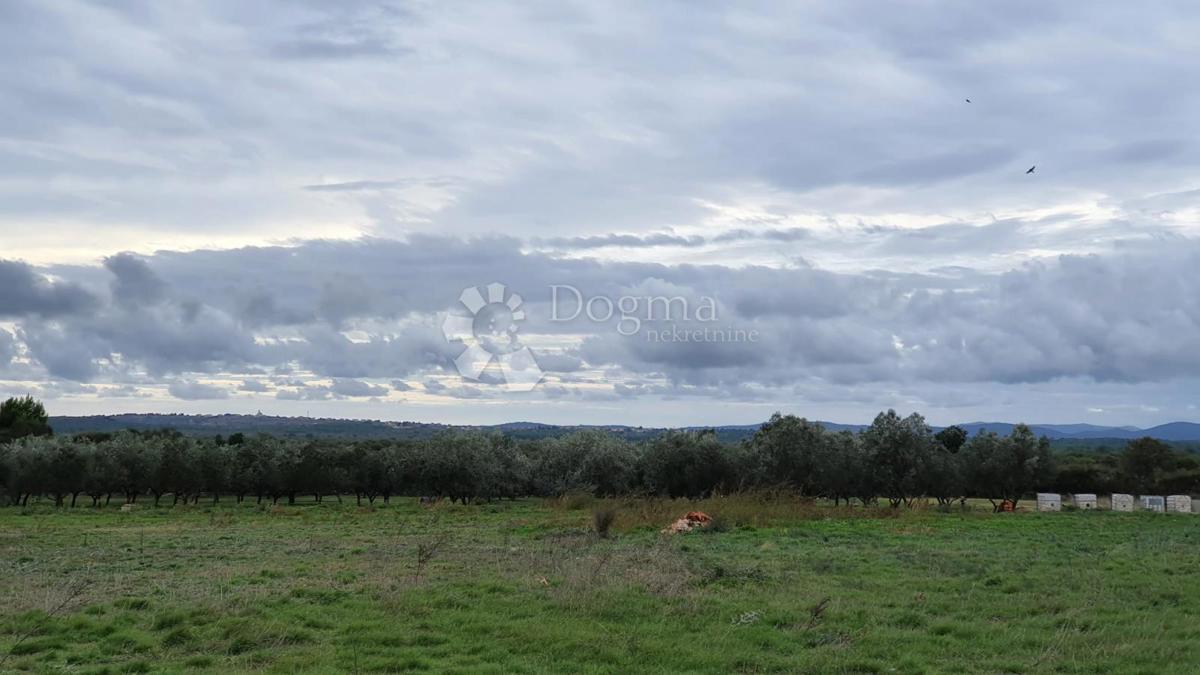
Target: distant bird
x: 1031, y: 169
x: 968, y: 100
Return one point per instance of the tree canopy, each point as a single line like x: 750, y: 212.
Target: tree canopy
x: 20, y: 417
x: 897, y: 459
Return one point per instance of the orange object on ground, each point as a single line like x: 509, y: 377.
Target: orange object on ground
x: 691, y: 521
x: 1007, y: 506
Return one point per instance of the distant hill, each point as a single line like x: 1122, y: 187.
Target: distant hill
x: 1174, y: 431
x: 317, y: 427
x: 323, y: 427
x: 212, y: 425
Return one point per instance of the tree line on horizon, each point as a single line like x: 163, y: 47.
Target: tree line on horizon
x: 896, y: 460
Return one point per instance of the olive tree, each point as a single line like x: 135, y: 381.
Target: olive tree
x: 896, y: 449
x: 1007, y: 467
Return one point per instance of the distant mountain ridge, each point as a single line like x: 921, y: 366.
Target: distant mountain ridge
x: 1172, y: 431
x: 211, y: 425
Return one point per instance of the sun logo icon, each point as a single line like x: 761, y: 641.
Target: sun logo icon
x: 490, y: 334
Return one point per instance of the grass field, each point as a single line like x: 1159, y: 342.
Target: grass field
x: 527, y: 587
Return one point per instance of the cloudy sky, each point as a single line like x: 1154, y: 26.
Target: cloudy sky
x: 231, y: 207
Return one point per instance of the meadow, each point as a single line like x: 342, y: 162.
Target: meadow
x: 528, y: 586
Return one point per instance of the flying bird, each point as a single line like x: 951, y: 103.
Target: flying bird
x: 968, y: 100
x: 1031, y: 168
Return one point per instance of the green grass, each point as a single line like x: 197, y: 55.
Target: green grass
x: 524, y: 587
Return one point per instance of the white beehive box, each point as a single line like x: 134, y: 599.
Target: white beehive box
x: 1153, y: 503
x: 1179, y: 504
x: 1122, y: 502
x: 1084, y: 501
x: 1049, y: 501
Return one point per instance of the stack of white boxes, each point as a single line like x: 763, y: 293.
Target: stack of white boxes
x: 1153, y: 503
x: 1179, y: 504
x: 1049, y: 501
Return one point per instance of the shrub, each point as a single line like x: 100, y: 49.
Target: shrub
x: 717, y: 524
x: 602, y: 521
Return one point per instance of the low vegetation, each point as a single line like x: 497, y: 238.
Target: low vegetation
x: 785, y: 585
x: 825, y: 552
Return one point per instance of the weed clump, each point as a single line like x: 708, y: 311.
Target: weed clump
x: 717, y: 524
x: 602, y: 521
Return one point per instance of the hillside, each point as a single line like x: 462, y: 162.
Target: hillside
x: 1070, y: 435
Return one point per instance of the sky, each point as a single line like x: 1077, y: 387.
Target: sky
x: 690, y: 213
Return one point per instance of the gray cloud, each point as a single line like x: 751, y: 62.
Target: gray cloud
x: 63, y: 353
x: 122, y: 391
x: 662, y: 239
x: 28, y: 293
x: 254, y: 386
x: 8, y: 348
x: 559, y: 362
x: 1123, y: 317
x: 347, y: 33
x: 57, y: 390
x: 196, y: 391
x: 353, y: 388
x: 134, y: 283
x: 622, y: 240
x: 462, y: 391
x: 304, y: 393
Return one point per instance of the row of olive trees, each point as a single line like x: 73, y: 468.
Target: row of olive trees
x: 130, y: 465
x: 900, y: 460
x: 895, y: 459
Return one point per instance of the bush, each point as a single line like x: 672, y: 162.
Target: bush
x: 602, y: 521
x: 717, y: 524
